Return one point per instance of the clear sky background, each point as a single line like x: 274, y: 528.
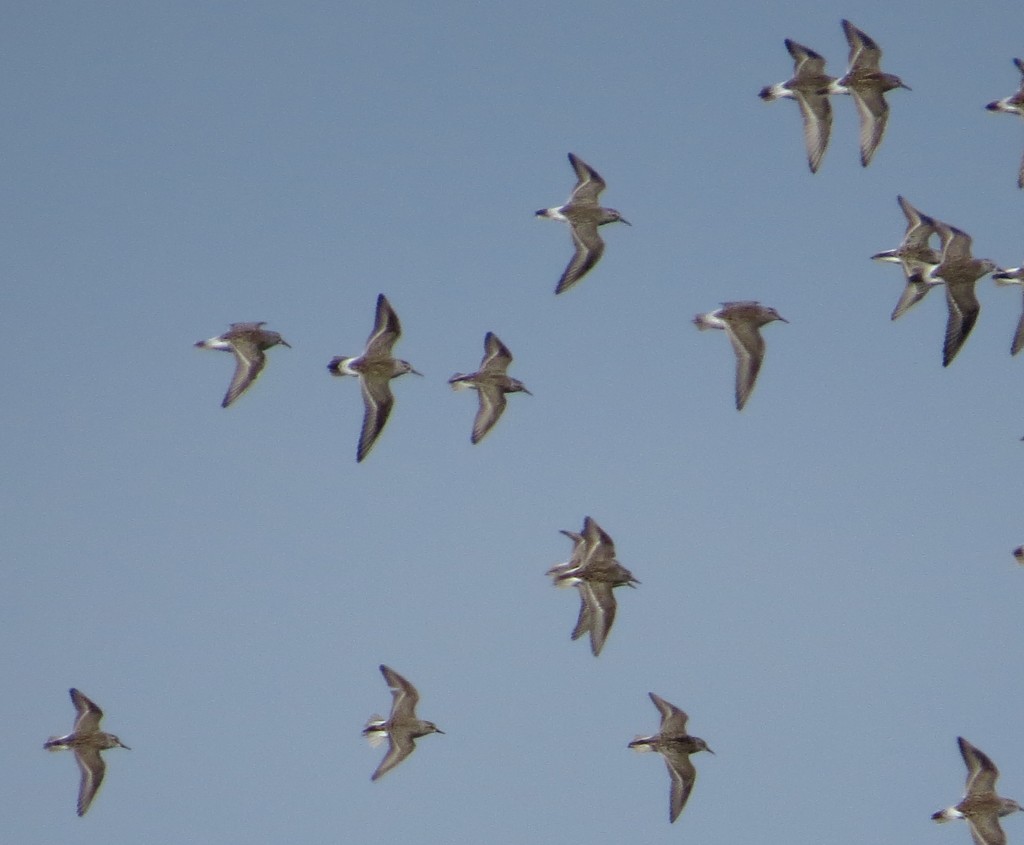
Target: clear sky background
x: 827, y: 585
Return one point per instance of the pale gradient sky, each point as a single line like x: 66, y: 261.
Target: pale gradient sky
x: 827, y: 585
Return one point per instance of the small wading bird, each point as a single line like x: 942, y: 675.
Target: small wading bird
x: 981, y: 806
x: 247, y: 342
x: 914, y: 255
x: 1013, y: 105
x: 865, y: 81
x: 87, y: 741
x: 584, y: 214
x: 401, y: 728
x: 491, y: 384
x: 595, y: 573
x: 1013, y: 276
x: 809, y: 87
x: 742, y: 322
x: 676, y: 746
x: 960, y: 271
x: 375, y: 368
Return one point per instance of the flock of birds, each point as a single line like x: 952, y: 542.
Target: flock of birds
x: 950, y: 261
x: 592, y: 567
x: 374, y: 368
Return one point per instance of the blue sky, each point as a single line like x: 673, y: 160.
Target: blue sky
x: 827, y: 586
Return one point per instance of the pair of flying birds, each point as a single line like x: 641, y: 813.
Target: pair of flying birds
x: 952, y: 265
x: 403, y: 727
x: 811, y: 87
x: 374, y: 368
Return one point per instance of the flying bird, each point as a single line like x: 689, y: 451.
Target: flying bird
x: 584, y: 214
x: 402, y: 728
x: 595, y: 573
x: 809, y: 87
x: 87, y: 741
x: 960, y: 271
x: 676, y: 746
x: 915, y: 255
x: 247, y: 342
x: 981, y: 806
x: 1013, y: 276
x: 742, y: 322
x: 865, y: 81
x: 375, y: 368
x: 1013, y: 105
x: 491, y: 384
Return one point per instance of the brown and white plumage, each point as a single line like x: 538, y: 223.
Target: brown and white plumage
x: 247, y: 342
x: 584, y: 214
x: 742, y: 322
x: 402, y: 727
x: 491, y: 384
x: 87, y: 741
x: 375, y: 368
x: 915, y: 255
x: 981, y: 806
x: 1013, y: 104
x: 865, y: 81
x: 960, y: 271
x: 675, y: 745
x: 1014, y: 276
x: 808, y: 87
x: 594, y: 571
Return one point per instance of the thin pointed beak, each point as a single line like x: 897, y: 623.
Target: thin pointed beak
x: 438, y: 731
x: 784, y: 320
x: 411, y: 370
x: 125, y: 747
x: 286, y: 343
x: 527, y: 392
x: 624, y: 220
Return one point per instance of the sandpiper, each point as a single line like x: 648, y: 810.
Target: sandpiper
x: 584, y: 214
x: 375, y: 368
x: 809, y: 87
x: 491, y: 384
x: 676, y: 746
x: 401, y: 728
x: 247, y: 342
x: 867, y: 84
x: 960, y: 271
x: 914, y: 255
x: 981, y: 806
x: 742, y: 321
x: 87, y: 741
x: 1013, y: 105
x: 595, y: 573
x: 1013, y: 276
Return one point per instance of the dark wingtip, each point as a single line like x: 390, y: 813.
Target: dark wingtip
x: 765, y: 93
x: 993, y: 106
